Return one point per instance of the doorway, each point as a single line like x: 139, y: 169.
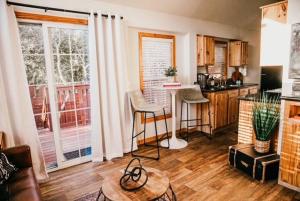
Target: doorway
x: 58, y: 75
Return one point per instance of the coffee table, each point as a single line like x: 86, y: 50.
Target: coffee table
x: 158, y: 187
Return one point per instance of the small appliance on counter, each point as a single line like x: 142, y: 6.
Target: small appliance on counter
x: 202, y: 80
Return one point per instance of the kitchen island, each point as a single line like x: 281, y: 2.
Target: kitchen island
x: 246, y: 133
x: 290, y: 143
x: 224, y: 106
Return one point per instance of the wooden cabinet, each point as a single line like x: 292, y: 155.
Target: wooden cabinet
x: 274, y: 31
x: 289, y: 174
x: 276, y: 12
x: 253, y: 90
x: 224, y: 107
x: 238, y: 53
x: 244, y: 92
x: 233, y: 106
x: 221, y: 106
x: 205, y: 50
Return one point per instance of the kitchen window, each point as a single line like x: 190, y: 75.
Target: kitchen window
x: 157, y: 53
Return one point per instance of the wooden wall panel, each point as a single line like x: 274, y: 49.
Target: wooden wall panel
x: 245, y: 129
x: 290, y: 147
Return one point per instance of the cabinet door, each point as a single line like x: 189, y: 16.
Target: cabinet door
x: 235, y: 53
x: 209, y: 50
x: 233, y: 106
x: 221, y: 109
x: 244, y: 53
x: 200, y: 50
x: 253, y: 90
x: 205, y: 113
x: 238, y: 53
x: 244, y: 92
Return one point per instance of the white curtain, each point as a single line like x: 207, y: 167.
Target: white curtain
x: 111, y: 135
x: 17, y: 120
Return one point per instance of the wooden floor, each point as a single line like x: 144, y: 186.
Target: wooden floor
x: 197, y: 172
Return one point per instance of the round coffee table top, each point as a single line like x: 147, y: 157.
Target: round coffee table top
x: 156, y: 186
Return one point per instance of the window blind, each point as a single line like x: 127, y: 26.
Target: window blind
x: 157, y: 56
x: 220, y: 60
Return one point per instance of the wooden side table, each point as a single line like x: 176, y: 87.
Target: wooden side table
x: 158, y: 187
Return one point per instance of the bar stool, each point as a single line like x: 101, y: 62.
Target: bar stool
x: 194, y: 96
x: 139, y: 105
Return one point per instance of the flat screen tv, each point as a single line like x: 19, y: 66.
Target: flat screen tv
x: 271, y: 77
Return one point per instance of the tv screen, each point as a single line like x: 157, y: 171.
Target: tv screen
x: 271, y: 77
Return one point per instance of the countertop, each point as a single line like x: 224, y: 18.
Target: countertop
x: 231, y: 87
x: 254, y: 97
x: 248, y: 97
x: 291, y: 98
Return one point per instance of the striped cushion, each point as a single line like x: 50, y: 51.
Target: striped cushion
x: 6, y: 168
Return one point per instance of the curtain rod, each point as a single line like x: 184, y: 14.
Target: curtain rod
x: 54, y: 9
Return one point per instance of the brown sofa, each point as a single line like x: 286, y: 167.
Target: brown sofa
x: 22, y: 185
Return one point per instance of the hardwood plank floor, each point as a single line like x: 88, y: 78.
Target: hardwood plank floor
x: 198, y: 172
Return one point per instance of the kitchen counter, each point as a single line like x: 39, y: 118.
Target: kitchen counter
x: 230, y: 87
x: 250, y: 97
x: 291, y: 98
x: 224, y: 106
x: 245, y: 129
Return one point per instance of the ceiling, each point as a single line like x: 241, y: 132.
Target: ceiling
x: 239, y: 13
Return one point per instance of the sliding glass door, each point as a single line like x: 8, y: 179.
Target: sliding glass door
x: 56, y: 58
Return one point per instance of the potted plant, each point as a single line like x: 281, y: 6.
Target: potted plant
x: 170, y: 73
x: 266, y: 114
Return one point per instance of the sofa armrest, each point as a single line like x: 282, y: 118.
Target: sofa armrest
x: 19, y: 156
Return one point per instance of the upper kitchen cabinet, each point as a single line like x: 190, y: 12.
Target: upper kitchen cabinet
x: 238, y: 53
x: 205, y: 50
x: 273, y: 32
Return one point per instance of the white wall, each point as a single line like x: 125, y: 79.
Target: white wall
x: 253, y: 69
x: 293, y: 17
x: 184, y: 28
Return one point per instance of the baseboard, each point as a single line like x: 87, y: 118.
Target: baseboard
x: 153, y: 138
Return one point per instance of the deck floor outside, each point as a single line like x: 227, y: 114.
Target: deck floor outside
x: 72, y: 140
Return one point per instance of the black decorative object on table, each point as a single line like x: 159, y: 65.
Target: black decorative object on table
x: 134, y: 174
x: 135, y: 183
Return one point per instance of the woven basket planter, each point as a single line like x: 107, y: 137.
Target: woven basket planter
x: 262, y: 146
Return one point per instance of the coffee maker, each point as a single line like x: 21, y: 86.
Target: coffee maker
x: 202, y: 80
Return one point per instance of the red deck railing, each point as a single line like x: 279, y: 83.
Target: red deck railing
x: 72, y: 102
